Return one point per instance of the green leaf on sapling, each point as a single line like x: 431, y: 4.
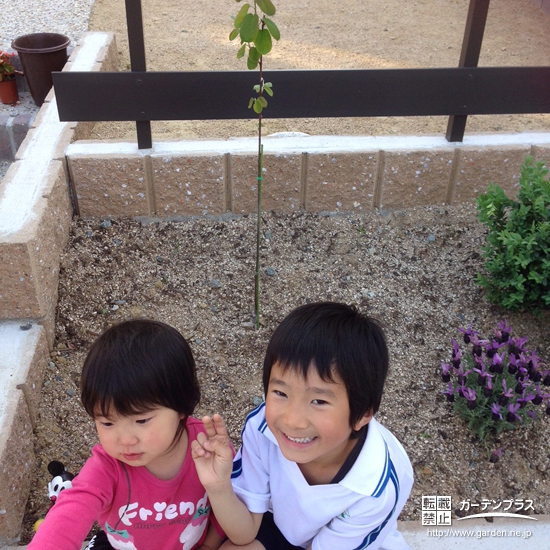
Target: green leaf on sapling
x: 268, y: 89
x: 263, y: 101
x: 249, y: 28
x: 251, y: 61
x: 253, y: 58
x: 240, y: 16
x: 251, y: 102
x: 234, y: 33
x: 266, y: 6
x: 241, y: 51
x: 256, y: 88
x: 257, y: 106
x: 263, y: 42
x: 272, y: 28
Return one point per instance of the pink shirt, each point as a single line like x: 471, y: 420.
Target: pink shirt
x: 144, y: 514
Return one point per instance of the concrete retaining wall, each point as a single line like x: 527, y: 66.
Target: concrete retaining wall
x: 316, y: 173
x: 544, y: 5
x: 35, y: 217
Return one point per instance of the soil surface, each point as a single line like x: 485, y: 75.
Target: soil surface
x: 413, y: 269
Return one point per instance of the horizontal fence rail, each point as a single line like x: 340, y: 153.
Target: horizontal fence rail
x: 146, y: 96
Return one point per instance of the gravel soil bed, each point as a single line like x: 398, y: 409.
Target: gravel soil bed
x: 412, y: 269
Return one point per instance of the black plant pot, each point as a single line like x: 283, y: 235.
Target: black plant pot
x: 40, y: 54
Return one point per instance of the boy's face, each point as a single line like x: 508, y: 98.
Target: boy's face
x: 145, y: 439
x: 310, y: 418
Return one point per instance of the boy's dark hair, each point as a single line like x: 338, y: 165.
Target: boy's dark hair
x: 339, y: 341
x: 137, y: 365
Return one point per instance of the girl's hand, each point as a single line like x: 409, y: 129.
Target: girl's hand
x: 212, y: 453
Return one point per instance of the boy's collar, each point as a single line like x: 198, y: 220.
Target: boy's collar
x: 370, y: 480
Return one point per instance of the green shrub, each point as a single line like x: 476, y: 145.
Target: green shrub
x: 518, y: 241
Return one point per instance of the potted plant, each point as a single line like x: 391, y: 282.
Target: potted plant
x: 8, y: 84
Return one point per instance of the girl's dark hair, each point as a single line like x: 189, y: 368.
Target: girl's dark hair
x: 137, y: 365
x: 337, y: 340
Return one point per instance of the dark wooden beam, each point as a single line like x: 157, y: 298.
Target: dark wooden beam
x: 150, y: 96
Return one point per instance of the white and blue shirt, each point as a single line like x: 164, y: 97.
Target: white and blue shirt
x: 358, y: 512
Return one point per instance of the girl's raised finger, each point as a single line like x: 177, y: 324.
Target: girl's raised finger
x: 221, y: 428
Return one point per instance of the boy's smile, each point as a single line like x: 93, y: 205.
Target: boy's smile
x: 145, y: 439
x: 309, y: 417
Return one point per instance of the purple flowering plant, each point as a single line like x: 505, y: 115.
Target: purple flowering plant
x: 497, y: 385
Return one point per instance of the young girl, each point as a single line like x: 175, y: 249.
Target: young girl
x: 139, y: 385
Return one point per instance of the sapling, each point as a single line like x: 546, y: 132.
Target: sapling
x: 256, y: 31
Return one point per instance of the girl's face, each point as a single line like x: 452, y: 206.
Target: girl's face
x: 145, y: 439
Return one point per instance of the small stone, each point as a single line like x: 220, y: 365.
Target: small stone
x: 61, y: 346
x: 117, y: 241
x: 270, y: 271
x: 26, y: 326
x: 136, y: 311
x: 214, y: 283
x: 160, y: 260
x: 51, y: 365
x: 61, y: 360
x: 89, y: 234
x: 427, y: 471
x: 105, y: 224
x: 158, y: 284
x: 257, y: 401
x: 431, y: 238
x: 70, y: 392
x: 115, y: 307
x: 120, y: 302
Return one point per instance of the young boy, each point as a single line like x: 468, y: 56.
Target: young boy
x: 315, y: 469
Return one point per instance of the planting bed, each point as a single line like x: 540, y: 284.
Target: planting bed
x: 413, y: 269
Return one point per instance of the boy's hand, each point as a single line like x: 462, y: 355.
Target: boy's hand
x: 212, y: 453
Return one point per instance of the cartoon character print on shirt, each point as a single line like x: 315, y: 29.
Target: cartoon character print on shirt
x: 120, y: 540
x: 194, y: 531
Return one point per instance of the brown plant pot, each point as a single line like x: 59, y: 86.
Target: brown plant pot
x: 40, y: 54
x: 8, y: 92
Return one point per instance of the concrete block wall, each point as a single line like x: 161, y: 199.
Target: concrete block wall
x: 13, y: 130
x: 35, y: 217
x: 314, y: 173
x: 544, y: 5
x: 24, y: 357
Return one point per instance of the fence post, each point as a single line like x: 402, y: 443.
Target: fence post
x: 134, y: 21
x: 469, y: 57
